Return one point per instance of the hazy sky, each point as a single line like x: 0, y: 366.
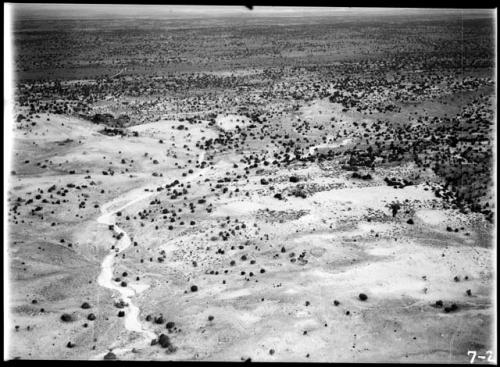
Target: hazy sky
x: 182, y: 11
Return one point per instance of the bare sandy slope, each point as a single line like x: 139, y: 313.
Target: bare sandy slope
x: 292, y: 292
x: 404, y: 269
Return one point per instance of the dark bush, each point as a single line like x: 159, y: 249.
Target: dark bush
x: 67, y: 317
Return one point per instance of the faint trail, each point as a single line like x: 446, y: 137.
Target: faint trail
x: 119, y: 73
x: 453, y: 337
x: 201, y: 157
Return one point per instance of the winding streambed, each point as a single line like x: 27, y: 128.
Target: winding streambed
x: 105, y: 278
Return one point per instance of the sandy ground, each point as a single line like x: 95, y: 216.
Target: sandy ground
x: 292, y: 293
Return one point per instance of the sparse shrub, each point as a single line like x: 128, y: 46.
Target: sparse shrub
x: 110, y: 356
x: 67, y: 317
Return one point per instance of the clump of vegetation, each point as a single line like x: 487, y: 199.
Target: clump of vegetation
x: 110, y: 356
x: 67, y: 317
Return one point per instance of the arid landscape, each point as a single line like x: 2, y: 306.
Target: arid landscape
x: 282, y: 186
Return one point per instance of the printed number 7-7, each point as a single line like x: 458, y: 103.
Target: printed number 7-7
x: 473, y: 355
